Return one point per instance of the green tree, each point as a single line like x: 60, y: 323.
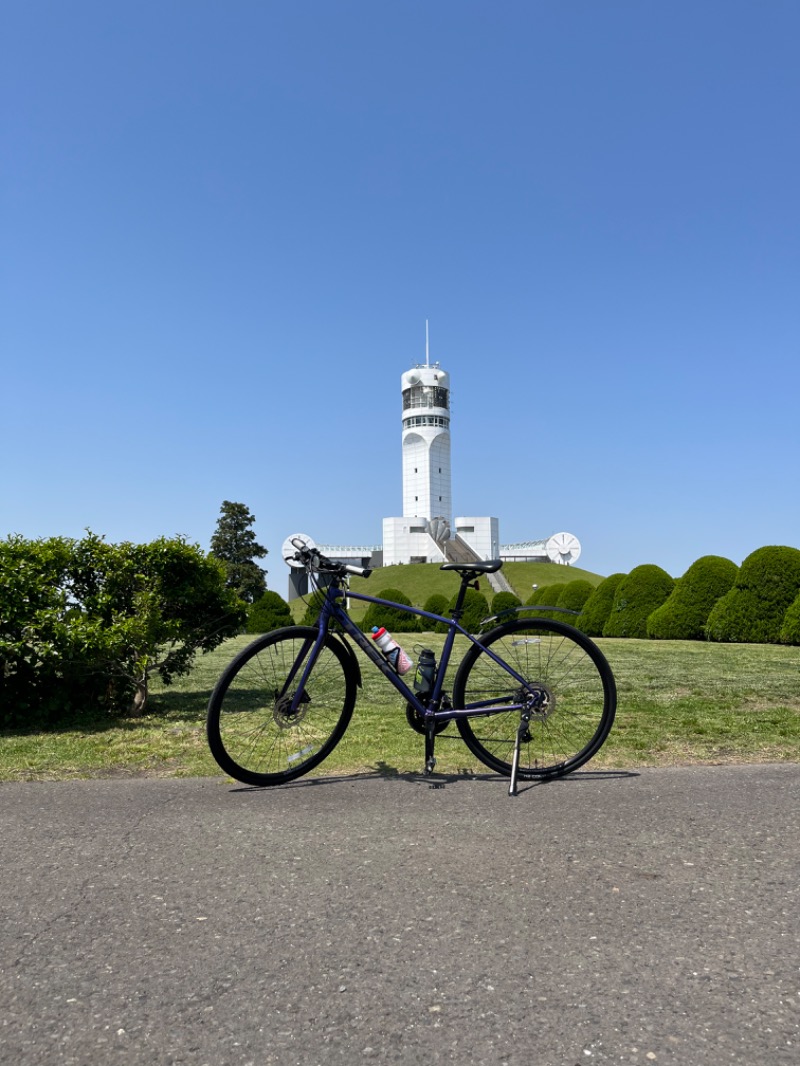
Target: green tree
x: 313, y: 607
x: 753, y: 611
x: 389, y: 617
x: 475, y: 608
x: 87, y: 623
x: 790, y: 630
x: 436, y: 603
x: 574, y: 594
x: 684, y: 614
x: 505, y: 601
x: 234, y: 543
x: 645, y: 588
x: 597, y: 608
x: 269, y: 612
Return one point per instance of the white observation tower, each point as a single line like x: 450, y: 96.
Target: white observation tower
x: 426, y: 443
x: 424, y: 532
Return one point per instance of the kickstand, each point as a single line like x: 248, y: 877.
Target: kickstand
x: 522, y: 729
x: 430, y: 740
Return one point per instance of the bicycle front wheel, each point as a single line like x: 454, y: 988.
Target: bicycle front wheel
x: 574, y: 710
x: 253, y: 733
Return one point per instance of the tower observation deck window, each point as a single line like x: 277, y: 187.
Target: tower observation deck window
x: 426, y: 396
x: 426, y: 420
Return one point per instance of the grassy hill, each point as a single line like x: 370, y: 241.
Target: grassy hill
x: 420, y: 580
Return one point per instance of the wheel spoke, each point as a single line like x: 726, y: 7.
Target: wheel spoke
x: 577, y: 692
x: 254, y: 733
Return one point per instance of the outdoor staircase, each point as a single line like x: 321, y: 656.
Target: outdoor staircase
x: 456, y: 550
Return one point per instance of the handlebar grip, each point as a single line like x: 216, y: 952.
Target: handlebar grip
x: 360, y: 571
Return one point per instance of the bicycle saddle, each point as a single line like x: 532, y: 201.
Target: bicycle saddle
x: 489, y: 566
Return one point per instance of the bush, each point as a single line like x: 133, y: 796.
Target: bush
x: 504, y: 601
x: 436, y: 604
x: 84, y: 624
x: 684, y: 614
x: 535, y: 596
x: 598, y: 606
x: 753, y: 611
x: 475, y: 609
x: 645, y: 588
x: 549, y: 595
x: 313, y: 607
x: 790, y: 630
x: 393, y: 620
x: 269, y: 612
x: 575, y: 594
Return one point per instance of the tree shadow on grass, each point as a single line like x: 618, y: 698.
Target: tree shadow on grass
x: 167, y: 708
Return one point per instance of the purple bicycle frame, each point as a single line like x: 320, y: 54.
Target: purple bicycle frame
x: 332, y: 609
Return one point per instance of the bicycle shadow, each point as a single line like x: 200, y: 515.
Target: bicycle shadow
x: 384, y: 771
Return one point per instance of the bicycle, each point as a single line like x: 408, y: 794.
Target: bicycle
x: 533, y: 698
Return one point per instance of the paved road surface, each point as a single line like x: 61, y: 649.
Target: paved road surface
x: 634, y: 918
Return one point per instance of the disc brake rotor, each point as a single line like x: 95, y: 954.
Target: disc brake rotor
x: 282, y: 714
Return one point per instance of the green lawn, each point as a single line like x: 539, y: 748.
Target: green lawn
x: 679, y: 702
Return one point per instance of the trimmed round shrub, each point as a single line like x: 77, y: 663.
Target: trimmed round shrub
x: 790, y: 630
x: 536, y: 596
x: 476, y: 608
x: 684, y: 614
x: 269, y: 612
x: 393, y: 620
x: 436, y: 604
x: 753, y: 611
x: 313, y: 607
x: 645, y: 588
x: 575, y: 594
x: 550, y: 594
x: 504, y: 601
x: 598, y: 606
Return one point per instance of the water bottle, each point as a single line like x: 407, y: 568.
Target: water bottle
x: 395, y: 655
x: 426, y: 672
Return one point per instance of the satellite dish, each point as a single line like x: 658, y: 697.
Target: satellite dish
x: 290, y: 546
x: 414, y: 378
x: 563, y: 548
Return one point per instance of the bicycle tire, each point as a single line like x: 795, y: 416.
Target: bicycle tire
x: 250, y: 731
x: 580, y: 698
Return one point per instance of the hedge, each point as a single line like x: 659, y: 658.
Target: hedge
x: 575, y: 594
x: 598, y: 606
x: 269, y: 612
x: 684, y: 614
x: 753, y: 611
x: 790, y: 630
x: 437, y: 603
x: 645, y: 588
x: 504, y: 601
x: 389, y: 617
x: 476, y: 609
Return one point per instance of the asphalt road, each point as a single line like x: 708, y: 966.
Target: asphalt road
x: 634, y: 918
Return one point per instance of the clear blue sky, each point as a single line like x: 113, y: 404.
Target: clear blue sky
x: 224, y: 225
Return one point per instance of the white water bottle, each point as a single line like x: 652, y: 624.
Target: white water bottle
x: 395, y: 655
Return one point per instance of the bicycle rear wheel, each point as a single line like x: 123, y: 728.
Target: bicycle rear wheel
x: 251, y: 730
x: 575, y: 712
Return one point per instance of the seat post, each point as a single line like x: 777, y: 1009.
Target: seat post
x: 466, y: 580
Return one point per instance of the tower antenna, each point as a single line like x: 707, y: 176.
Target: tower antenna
x: 427, y: 347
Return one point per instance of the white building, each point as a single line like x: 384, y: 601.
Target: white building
x: 425, y: 533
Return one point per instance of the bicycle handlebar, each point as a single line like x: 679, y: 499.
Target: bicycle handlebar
x: 312, y: 559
